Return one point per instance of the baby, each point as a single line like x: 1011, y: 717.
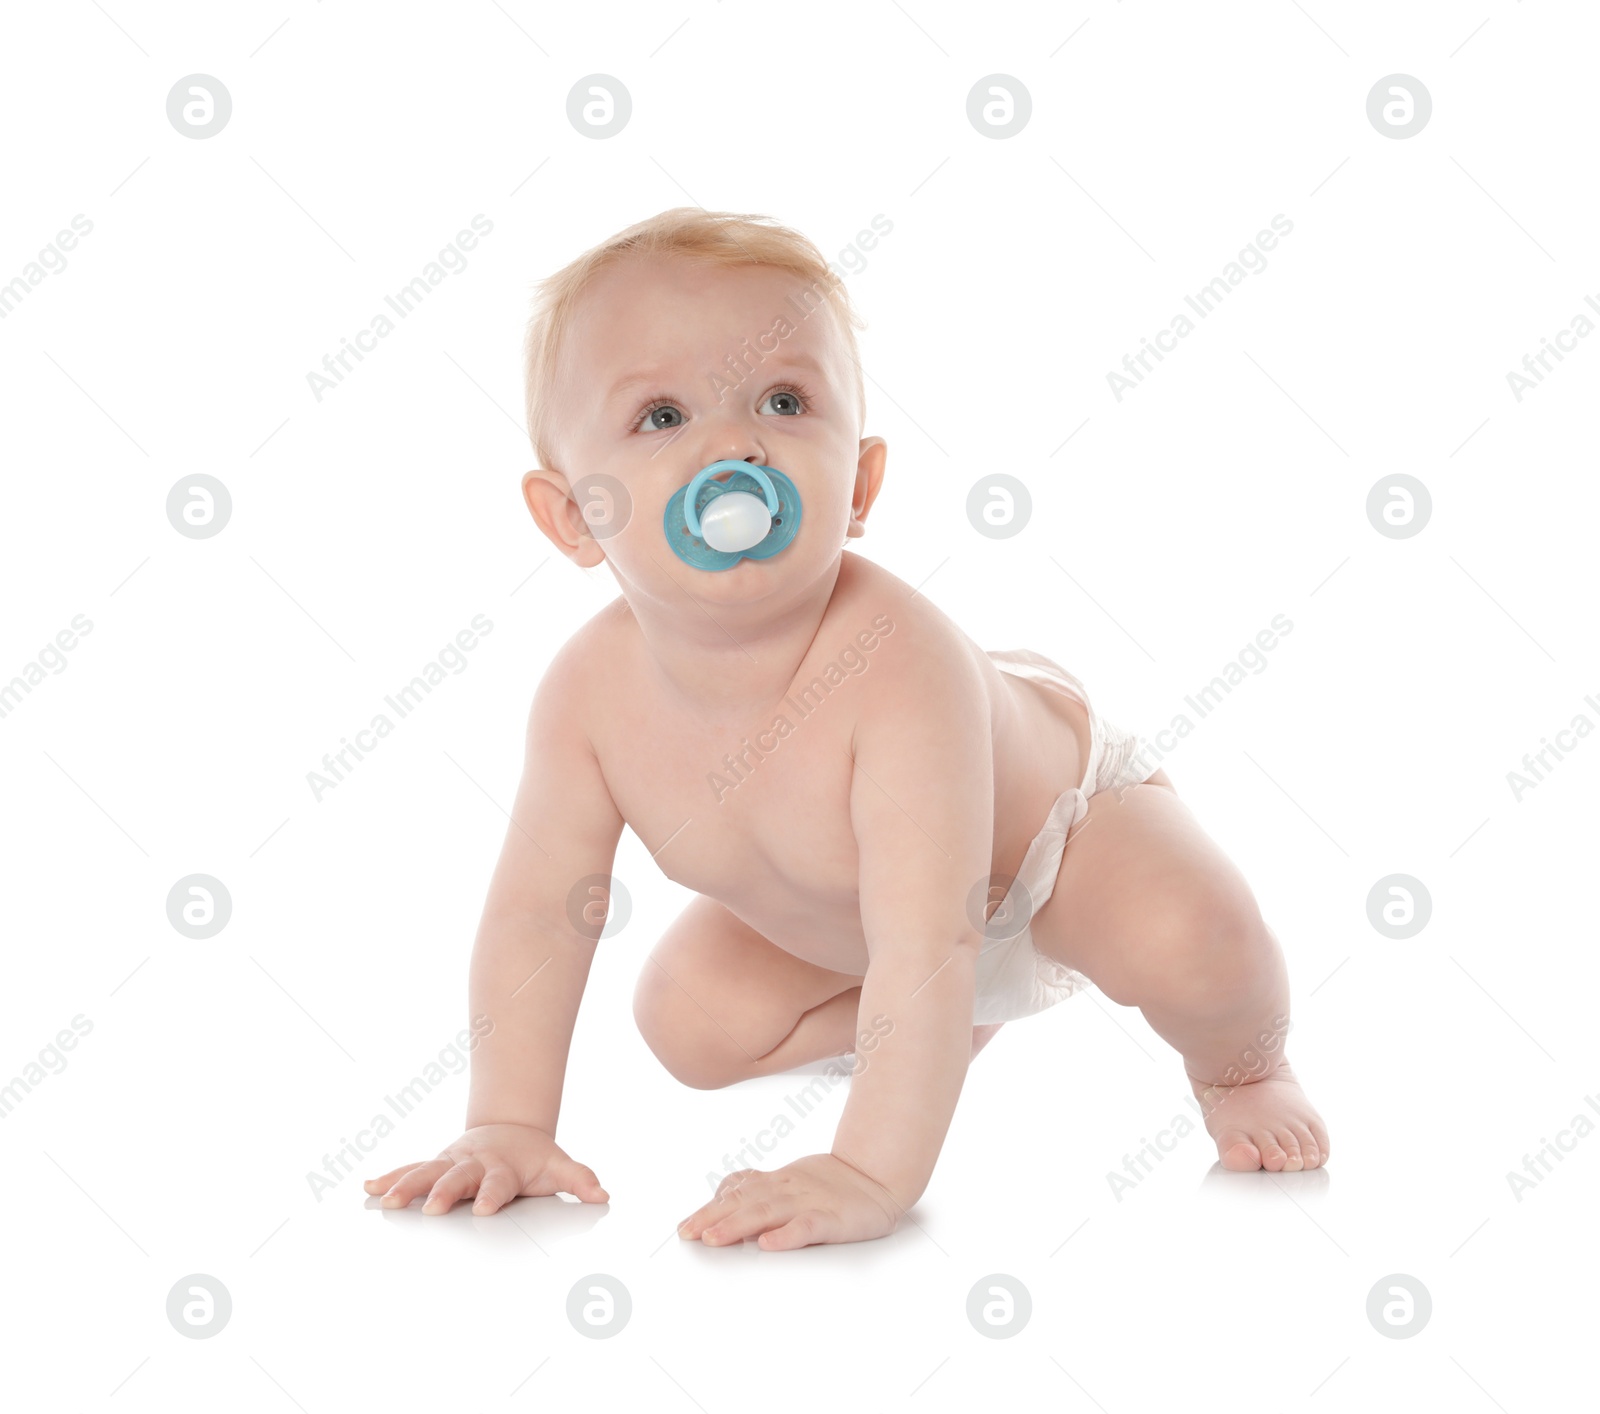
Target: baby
x: 898, y: 841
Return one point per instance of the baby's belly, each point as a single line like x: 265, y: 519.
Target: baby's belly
x: 805, y: 902
x: 825, y: 937
x: 797, y: 883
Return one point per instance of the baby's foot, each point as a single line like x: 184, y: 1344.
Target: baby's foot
x: 1264, y: 1124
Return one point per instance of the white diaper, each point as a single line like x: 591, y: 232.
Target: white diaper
x: 1014, y: 979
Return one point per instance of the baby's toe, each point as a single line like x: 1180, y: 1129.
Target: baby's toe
x: 1310, y: 1154
x: 1319, y: 1136
x: 1274, y: 1157
x: 1294, y: 1158
x: 1237, y: 1151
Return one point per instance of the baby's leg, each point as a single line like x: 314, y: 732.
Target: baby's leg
x: 718, y: 1003
x: 1155, y: 914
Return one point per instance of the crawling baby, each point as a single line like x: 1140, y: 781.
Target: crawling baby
x: 898, y: 841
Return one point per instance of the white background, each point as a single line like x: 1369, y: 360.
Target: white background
x: 370, y: 527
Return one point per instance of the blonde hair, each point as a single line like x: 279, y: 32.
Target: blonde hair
x: 705, y: 238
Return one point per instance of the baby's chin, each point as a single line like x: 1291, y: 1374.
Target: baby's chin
x: 747, y: 579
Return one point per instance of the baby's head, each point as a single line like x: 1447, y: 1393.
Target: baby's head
x: 690, y: 338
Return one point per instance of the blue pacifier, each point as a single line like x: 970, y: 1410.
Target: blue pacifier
x: 754, y: 514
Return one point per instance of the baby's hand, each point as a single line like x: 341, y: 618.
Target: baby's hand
x: 498, y: 1162
x: 819, y: 1198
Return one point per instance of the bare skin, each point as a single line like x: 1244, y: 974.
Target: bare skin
x: 770, y: 732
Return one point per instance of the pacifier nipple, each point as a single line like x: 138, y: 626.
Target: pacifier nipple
x: 735, y: 521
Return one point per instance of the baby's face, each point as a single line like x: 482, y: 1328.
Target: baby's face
x: 667, y: 368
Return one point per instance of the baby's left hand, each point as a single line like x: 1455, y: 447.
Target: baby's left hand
x: 819, y: 1198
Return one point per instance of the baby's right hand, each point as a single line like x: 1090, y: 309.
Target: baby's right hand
x: 498, y: 1162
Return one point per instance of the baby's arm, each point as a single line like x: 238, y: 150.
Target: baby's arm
x: 922, y: 809
x: 529, y: 966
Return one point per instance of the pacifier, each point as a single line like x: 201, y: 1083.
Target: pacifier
x: 712, y: 525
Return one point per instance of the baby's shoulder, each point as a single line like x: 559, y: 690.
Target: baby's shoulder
x: 583, y: 664
x: 919, y: 658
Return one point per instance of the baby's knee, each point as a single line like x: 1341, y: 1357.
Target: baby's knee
x: 680, y: 1034
x: 1205, y: 943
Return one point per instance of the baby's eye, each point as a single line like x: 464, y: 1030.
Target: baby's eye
x: 784, y: 402
x: 662, y: 415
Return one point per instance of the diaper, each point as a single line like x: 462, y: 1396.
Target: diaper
x: 1014, y: 979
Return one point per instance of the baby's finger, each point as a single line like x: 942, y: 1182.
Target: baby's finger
x: 800, y: 1231
x: 707, y: 1213
x: 498, y: 1188
x: 457, y: 1182
x: 734, y: 1181
x: 412, y: 1182
x: 578, y: 1180
x: 750, y: 1219
x: 385, y: 1182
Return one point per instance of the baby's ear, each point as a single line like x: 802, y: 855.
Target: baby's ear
x: 869, y: 480
x: 550, y: 503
